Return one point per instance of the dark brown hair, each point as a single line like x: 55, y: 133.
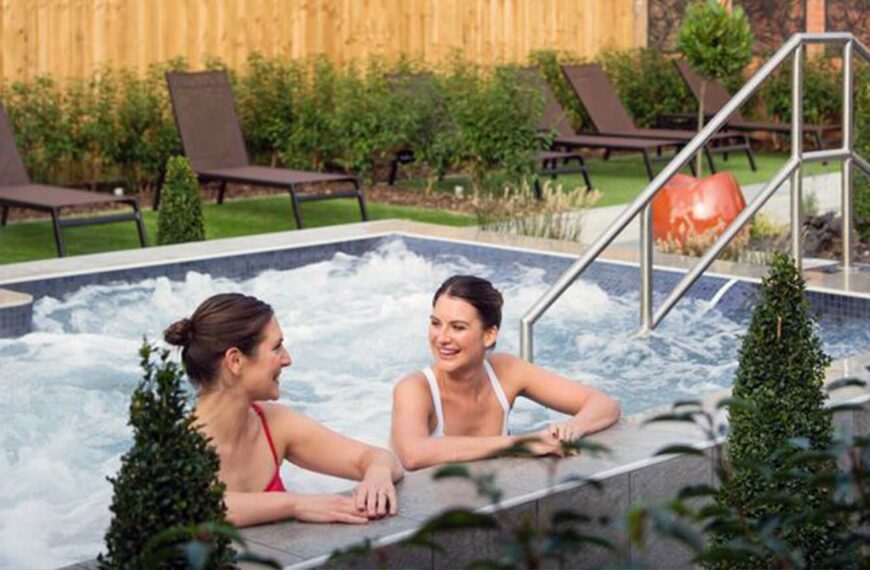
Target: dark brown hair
x: 479, y: 293
x: 220, y: 322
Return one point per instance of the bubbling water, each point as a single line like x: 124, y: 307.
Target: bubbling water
x: 354, y: 326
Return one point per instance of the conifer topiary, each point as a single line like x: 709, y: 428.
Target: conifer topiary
x: 780, y: 384
x: 180, y: 217
x: 167, y: 481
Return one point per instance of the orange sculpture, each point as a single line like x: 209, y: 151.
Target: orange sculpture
x: 688, y: 206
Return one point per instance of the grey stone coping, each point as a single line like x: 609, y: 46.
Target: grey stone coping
x: 521, y: 480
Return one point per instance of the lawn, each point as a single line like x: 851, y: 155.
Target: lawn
x: 620, y: 179
x: 27, y: 241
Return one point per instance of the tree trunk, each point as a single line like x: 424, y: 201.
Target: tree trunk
x: 699, y: 162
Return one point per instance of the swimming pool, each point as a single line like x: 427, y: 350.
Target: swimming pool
x: 355, y: 316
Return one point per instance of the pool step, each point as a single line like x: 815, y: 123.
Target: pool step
x: 16, y: 313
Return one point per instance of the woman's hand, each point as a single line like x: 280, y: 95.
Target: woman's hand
x: 567, y: 431
x: 542, y: 443
x: 328, y: 508
x: 375, y: 496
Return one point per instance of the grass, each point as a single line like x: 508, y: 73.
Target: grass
x: 26, y: 241
x: 620, y: 179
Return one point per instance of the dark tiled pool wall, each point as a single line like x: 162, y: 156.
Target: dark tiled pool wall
x: 742, y: 297
x: 737, y: 302
x: 239, y: 266
x: 16, y: 320
x: 615, y: 279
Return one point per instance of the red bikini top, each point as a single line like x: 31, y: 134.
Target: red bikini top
x: 276, y: 485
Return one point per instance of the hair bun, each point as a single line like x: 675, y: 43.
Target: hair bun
x: 179, y: 333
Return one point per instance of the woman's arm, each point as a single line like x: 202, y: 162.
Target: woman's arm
x: 592, y: 409
x: 416, y: 448
x: 246, y: 509
x: 313, y: 446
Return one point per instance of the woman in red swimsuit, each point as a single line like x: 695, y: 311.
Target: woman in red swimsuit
x: 233, y: 352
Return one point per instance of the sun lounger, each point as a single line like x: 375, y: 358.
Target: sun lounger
x: 17, y: 191
x: 716, y: 96
x: 213, y: 143
x: 610, y: 117
x: 554, y: 120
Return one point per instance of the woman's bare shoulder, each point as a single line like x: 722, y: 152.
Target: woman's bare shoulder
x: 278, y: 413
x: 411, y: 385
x: 506, y: 365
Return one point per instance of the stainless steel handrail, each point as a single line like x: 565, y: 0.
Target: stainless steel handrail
x: 793, y: 168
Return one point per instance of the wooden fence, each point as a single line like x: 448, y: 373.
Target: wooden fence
x: 72, y: 38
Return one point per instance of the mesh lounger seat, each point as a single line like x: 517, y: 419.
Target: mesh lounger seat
x: 16, y: 191
x: 610, y: 117
x: 550, y: 163
x: 554, y: 120
x: 212, y: 140
x: 716, y: 96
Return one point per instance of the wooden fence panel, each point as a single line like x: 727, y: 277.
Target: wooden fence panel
x: 72, y: 38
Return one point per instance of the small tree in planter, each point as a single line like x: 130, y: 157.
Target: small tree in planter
x: 780, y: 378
x: 168, y: 481
x: 718, y: 44
x: 180, y: 216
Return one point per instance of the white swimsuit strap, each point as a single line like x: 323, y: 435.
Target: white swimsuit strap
x: 499, y: 394
x: 436, y: 401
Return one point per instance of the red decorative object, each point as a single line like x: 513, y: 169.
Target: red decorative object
x: 689, y: 206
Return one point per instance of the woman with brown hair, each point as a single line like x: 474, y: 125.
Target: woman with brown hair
x: 232, y: 349
x: 457, y: 408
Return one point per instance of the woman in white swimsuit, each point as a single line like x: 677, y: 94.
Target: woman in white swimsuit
x: 457, y: 409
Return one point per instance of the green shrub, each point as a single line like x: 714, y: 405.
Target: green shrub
x: 496, y: 122
x: 367, y: 119
x: 89, y: 107
x: 264, y: 102
x: 780, y: 375
x: 421, y: 122
x: 313, y: 142
x: 168, y: 480
x: 823, y: 92
x: 860, y: 181
x: 549, y: 61
x: 146, y: 135
x: 41, y: 126
x: 180, y: 217
x: 717, y: 42
x: 648, y: 84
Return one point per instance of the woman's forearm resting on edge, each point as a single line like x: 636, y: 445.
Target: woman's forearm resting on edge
x: 424, y: 452
x: 601, y: 411
x: 246, y: 509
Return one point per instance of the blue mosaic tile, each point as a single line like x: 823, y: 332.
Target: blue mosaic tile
x: 615, y: 279
x: 240, y: 266
x: 16, y: 321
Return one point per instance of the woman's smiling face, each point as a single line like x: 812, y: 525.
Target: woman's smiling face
x: 262, y: 369
x: 457, y: 337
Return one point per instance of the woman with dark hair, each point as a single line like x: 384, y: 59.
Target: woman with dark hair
x: 457, y: 409
x: 232, y: 349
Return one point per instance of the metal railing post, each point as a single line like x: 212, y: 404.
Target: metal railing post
x: 646, y: 268
x: 797, y: 143
x: 527, y: 352
x: 848, y: 145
